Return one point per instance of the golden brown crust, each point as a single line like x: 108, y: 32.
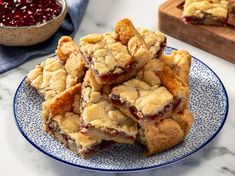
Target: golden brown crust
x: 185, y: 120
x: 169, y: 80
x: 63, y: 102
x: 161, y: 135
x: 180, y: 62
x: 165, y: 133
x: 66, y: 46
x: 174, y: 85
x: 75, y: 68
x: 125, y: 30
x: 60, y: 104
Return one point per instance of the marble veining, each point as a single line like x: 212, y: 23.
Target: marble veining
x: 18, y: 157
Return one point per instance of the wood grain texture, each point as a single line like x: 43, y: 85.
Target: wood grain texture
x: 218, y: 40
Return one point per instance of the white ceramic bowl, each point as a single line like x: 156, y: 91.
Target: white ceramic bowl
x: 30, y: 35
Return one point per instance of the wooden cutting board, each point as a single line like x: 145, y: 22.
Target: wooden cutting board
x: 218, y: 40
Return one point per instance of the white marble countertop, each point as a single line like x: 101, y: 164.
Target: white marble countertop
x: 18, y: 157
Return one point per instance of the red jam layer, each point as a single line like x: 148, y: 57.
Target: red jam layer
x: 28, y: 12
x: 138, y: 115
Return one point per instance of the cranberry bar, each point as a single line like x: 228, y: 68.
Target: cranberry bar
x: 156, y: 41
x: 54, y: 75
x: 205, y: 12
x: 61, y: 119
x: 115, y: 56
x: 165, y: 133
x: 156, y: 92
x: 100, y: 117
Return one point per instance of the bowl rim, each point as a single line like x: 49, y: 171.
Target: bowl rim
x: 63, y: 11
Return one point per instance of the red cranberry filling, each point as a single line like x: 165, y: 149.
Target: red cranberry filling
x: 28, y: 12
x: 110, y: 76
x: 138, y: 115
x: 204, y: 20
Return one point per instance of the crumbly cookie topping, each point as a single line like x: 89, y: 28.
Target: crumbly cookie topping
x: 115, y: 52
x: 155, y: 40
x: 201, y: 8
x: 100, y: 113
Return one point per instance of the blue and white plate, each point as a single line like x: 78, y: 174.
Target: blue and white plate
x: 208, y: 102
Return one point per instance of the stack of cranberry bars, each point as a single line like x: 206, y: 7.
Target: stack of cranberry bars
x: 115, y: 87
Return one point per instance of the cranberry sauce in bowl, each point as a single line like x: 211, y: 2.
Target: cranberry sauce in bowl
x: 28, y: 12
x: 29, y: 22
